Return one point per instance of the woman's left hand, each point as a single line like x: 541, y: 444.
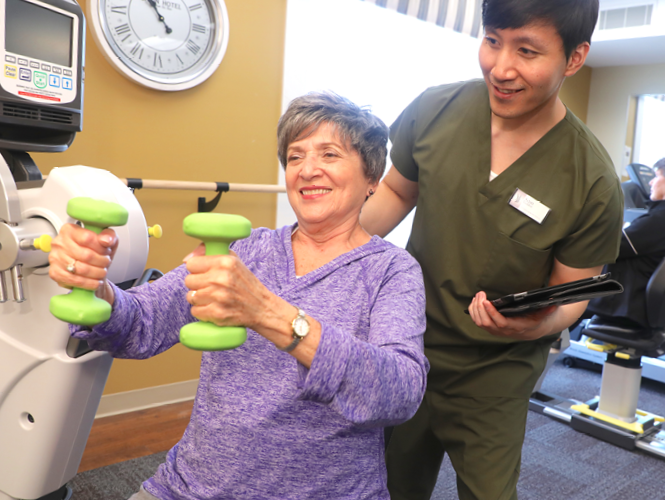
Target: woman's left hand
x: 223, y: 291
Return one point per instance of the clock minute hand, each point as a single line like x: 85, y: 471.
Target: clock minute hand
x: 153, y: 4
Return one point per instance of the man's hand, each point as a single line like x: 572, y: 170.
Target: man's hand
x: 530, y: 326
x: 539, y: 324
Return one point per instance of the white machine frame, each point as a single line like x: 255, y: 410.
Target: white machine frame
x: 49, y: 394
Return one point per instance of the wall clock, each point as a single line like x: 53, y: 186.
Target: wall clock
x: 161, y: 44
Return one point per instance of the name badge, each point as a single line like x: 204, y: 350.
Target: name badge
x: 529, y: 206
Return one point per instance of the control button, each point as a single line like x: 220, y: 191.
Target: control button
x: 10, y: 59
x: 10, y: 71
x: 40, y: 80
x: 67, y: 72
x: 54, y: 81
x: 46, y: 67
x: 34, y: 64
x: 57, y: 71
x: 22, y: 62
x: 67, y: 83
x: 24, y: 74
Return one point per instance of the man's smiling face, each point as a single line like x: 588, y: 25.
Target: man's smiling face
x: 523, y: 69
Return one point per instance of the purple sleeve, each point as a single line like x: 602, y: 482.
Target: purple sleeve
x: 145, y: 320
x: 382, y: 381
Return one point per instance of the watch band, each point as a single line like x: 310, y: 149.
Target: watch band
x: 296, y: 338
x: 292, y: 345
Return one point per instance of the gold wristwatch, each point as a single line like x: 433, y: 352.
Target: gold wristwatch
x: 300, y: 327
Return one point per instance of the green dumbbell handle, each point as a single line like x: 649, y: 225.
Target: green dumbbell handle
x: 217, y: 231
x: 82, y: 307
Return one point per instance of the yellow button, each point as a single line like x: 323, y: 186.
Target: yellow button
x: 43, y: 243
x: 155, y: 231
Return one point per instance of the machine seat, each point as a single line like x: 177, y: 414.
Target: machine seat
x: 647, y: 341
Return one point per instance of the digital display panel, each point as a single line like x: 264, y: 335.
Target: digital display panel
x: 38, y: 32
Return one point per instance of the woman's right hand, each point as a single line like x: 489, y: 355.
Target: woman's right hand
x: 88, y: 255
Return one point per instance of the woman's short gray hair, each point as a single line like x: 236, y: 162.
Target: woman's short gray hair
x: 356, y: 126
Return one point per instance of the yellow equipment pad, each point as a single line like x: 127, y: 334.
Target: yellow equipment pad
x: 635, y: 427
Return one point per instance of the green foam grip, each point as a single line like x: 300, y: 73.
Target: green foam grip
x: 97, y: 215
x: 204, y: 336
x: 83, y: 307
x: 80, y: 307
x: 217, y: 231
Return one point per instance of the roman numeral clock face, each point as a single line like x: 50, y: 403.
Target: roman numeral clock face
x: 162, y: 44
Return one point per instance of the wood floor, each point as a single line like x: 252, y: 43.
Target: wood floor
x: 133, y: 435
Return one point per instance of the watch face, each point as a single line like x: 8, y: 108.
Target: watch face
x: 168, y: 42
x: 300, y: 327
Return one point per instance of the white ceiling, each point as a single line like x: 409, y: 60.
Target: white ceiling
x: 630, y: 46
x: 627, y: 52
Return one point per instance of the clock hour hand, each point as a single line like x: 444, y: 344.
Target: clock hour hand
x: 153, y: 4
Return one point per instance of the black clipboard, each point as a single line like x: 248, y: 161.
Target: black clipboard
x: 568, y: 293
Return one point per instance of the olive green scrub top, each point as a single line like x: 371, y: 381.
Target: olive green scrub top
x: 467, y: 238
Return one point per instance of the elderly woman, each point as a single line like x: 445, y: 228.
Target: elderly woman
x: 284, y: 416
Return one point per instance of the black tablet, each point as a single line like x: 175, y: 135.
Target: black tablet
x: 567, y: 293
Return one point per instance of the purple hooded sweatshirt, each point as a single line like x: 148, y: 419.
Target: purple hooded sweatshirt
x: 264, y: 426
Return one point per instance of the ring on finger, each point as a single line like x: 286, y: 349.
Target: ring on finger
x: 71, y: 268
x: 191, y: 299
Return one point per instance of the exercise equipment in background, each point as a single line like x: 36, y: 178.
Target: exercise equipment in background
x: 636, y: 190
x: 217, y: 231
x: 627, y: 353
x: 636, y: 194
x: 641, y: 175
x: 613, y: 416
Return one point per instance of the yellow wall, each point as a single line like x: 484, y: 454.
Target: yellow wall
x: 575, y: 92
x: 222, y: 130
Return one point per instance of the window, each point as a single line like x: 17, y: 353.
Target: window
x: 648, y: 147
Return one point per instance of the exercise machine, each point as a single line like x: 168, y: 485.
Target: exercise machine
x: 582, y: 351
x: 614, y: 416
x: 636, y: 194
x: 627, y: 353
x: 50, y: 384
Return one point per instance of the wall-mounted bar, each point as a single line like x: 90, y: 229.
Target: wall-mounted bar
x: 204, y: 186
x: 218, y: 187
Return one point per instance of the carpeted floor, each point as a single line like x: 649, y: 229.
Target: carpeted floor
x: 558, y: 463
x: 117, y: 481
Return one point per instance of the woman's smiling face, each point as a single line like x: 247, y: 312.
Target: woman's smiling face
x: 325, y: 179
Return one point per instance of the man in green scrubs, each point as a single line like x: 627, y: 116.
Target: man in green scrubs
x: 512, y: 192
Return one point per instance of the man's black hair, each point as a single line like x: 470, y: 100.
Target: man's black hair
x: 574, y: 20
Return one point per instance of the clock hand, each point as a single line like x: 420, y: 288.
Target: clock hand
x: 153, y: 4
